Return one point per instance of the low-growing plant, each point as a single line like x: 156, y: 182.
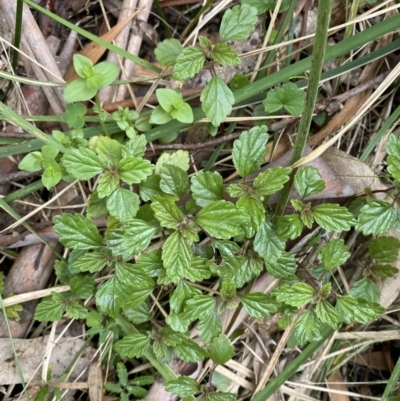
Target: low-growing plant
x: 168, y: 235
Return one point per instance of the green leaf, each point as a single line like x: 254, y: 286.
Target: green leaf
x: 49, y: 310
x: 183, y: 386
x: 75, y: 310
x: 206, y: 187
x: 239, y: 190
x: 83, y: 66
x: 123, y: 204
x: 131, y: 240
x: 249, y: 150
x: 180, y: 159
x: 82, y: 286
x: 190, y: 351
x: 211, y: 396
x: 135, y: 147
x: 221, y: 350
x: 177, y: 322
x: 92, y: 262
x: 332, y: 217
x: 77, y: 231
x: 167, y: 213
x: 199, y: 270
x: 224, y: 54
x: 31, y: 162
x: 133, y: 345
x: 366, y: 289
x: 380, y: 272
x: 384, y: 249
x: 73, y: 115
x: 351, y: 309
x: 167, y: 98
x: 188, y: 63
x: 182, y: 293
x: 376, y: 217
x: 133, y: 170
x: 255, y: 210
x: 267, y: 243
x: 284, y: 266
x: 327, y: 313
x: 108, y: 70
x: 107, y: 184
x: 97, y: 206
x: 199, y: 307
x: 183, y: 113
x: 297, y: 295
x: 393, y: 149
x: 258, y: 305
x: 217, y: 100
x: 177, y: 256
x: 237, y: 23
x: 109, y: 151
x: 168, y: 51
x: 209, y: 327
x: 77, y: 91
x: 308, y: 181
x: 52, y: 173
x: 107, y: 296
x: 174, y: 181
x: 307, y: 328
x: 263, y: 5
x: 288, y: 97
x: 220, y: 219
x: 82, y: 164
x: 333, y: 254
x: 239, y: 81
x: 271, y: 180
x: 289, y: 226
x: 159, y: 116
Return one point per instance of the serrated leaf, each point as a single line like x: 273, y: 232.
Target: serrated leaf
x: 217, y: 100
x: 174, y: 181
x: 351, y: 309
x: 109, y: 151
x: 220, y: 219
x: 135, y: 147
x: 167, y: 213
x: 107, y: 183
x: 82, y: 286
x: 180, y: 159
x: 221, y: 350
x: 82, y: 163
x: 106, y: 297
x: 133, y: 345
x: 380, y: 272
x: 177, y: 256
x: 297, y: 295
x: 283, y: 266
x: 376, y: 217
x: 182, y: 293
x: 327, y: 313
x: 366, y: 289
x: 133, y: 170
x: 249, y: 150
x: 183, y: 386
x: 308, y: 181
x: 177, y: 322
x: 49, y: 311
x: 333, y: 254
x: 263, y: 5
x: 209, y: 327
x: 224, y: 54
x: 332, y: 217
x: 75, y: 310
x: 206, y: 187
x: 267, y: 243
x: 307, y: 328
x: 123, y: 204
x: 288, y: 97
x: 190, y: 351
x: 237, y: 23
x: 258, y: 305
x: 132, y: 239
x: 289, y: 226
x: 384, y: 249
x: 211, y: 396
x: 97, y: 206
x: 168, y: 51
x: 188, y: 63
x: 227, y: 248
x: 77, y: 231
x: 271, y: 180
x: 199, y: 270
x: 238, y: 190
x: 255, y: 211
x: 393, y: 149
x: 199, y: 307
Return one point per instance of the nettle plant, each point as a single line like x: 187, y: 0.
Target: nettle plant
x: 167, y: 237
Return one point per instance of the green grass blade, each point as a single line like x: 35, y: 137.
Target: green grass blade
x: 393, y: 382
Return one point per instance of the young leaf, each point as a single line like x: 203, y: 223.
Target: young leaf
x: 123, y: 204
x: 220, y: 219
x: 308, y: 181
x: 284, y: 266
x: 159, y: 116
x: 77, y: 91
x: 133, y: 170
x: 188, y: 63
x: 297, y: 295
x: 133, y: 345
x: 49, y: 310
x: 267, y: 243
x: 179, y: 159
x: 289, y: 97
x: 82, y: 164
x: 168, y: 51
x: 384, y: 249
x: 224, y: 54
x: 174, y: 181
x: 258, y: 305
x: 307, y: 328
x: 167, y: 213
x: 217, y: 100
x: 107, y: 183
x: 249, y: 150
x: 332, y: 217
x: 209, y: 327
x: 52, y: 173
x: 271, y: 180
x: 109, y: 151
x: 221, y: 350
x: 206, y: 187
x: 183, y: 386
x: 31, y: 162
x: 237, y: 23
x: 327, y: 313
x: 177, y: 256
x: 376, y: 217
x: 333, y: 254
x: 366, y: 289
x: 135, y: 147
x: 183, y: 113
x: 77, y: 231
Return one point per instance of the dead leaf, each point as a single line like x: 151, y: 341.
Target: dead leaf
x: 336, y: 382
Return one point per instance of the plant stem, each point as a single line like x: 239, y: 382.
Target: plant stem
x: 324, y: 13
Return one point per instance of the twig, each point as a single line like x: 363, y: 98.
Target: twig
x: 18, y: 176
